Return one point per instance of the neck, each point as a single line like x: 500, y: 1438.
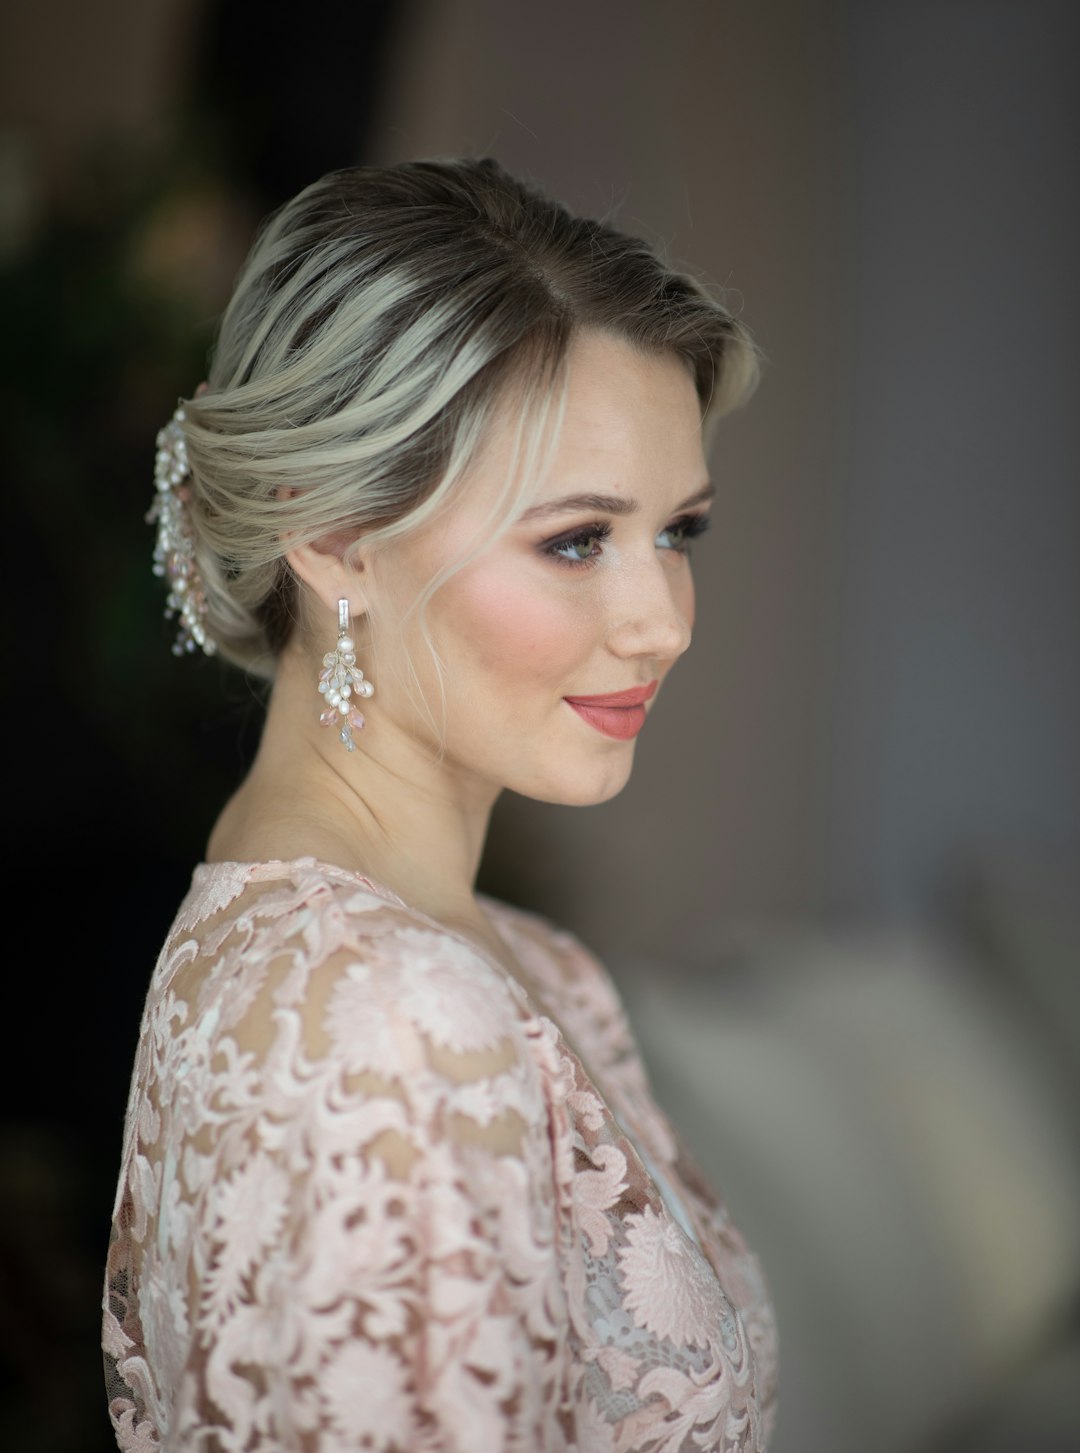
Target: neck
x: 387, y: 809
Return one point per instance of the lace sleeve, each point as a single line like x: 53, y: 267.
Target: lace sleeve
x: 336, y: 1226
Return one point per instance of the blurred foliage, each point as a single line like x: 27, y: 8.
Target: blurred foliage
x: 109, y: 313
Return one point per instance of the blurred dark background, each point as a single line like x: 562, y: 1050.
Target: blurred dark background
x: 840, y: 894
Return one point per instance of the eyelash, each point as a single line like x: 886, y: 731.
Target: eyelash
x: 691, y: 526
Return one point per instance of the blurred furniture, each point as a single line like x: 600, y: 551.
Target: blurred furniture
x: 893, y: 1121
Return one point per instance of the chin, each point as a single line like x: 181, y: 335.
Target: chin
x: 586, y: 788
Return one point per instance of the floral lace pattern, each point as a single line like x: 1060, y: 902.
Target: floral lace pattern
x: 370, y: 1198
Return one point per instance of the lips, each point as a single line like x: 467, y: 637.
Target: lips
x: 636, y: 696
x: 618, y: 714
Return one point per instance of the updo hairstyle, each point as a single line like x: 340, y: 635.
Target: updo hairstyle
x: 380, y: 319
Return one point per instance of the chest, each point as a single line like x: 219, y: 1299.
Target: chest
x: 540, y: 988
x: 611, y: 1104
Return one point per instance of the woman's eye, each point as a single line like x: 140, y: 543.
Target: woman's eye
x: 580, y: 548
x: 678, y: 535
x: 583, y: 547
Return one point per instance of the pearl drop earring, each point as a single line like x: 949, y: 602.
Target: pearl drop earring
x: 340, y: 680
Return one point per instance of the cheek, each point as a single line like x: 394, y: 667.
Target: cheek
x: 505, y: 629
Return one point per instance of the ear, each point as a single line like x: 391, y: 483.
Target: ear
x: 332, y: 573
x: 329, y: 569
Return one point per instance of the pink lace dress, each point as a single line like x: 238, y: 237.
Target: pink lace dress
x: 371, y: 1198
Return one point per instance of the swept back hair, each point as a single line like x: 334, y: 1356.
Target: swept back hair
x: 382, y: 317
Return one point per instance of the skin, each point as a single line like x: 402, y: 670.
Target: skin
x: 518, y: 629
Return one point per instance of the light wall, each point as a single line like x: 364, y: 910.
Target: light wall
x: 955, y: 738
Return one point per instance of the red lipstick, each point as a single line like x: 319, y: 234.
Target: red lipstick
x: 619, y: 714
x: 636, y: 696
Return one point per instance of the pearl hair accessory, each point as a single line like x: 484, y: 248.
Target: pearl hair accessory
x: 339, y: 680
x: 174, y: 550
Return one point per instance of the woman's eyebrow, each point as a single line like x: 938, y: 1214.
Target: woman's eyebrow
x: 606, y: 504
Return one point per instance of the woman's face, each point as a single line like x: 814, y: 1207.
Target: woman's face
x: 581, y: 598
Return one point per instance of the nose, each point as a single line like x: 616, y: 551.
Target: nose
x: 652, y: 612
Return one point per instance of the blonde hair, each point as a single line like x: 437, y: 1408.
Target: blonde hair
x: 381, y: 318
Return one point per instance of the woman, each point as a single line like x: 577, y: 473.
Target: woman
x: 392, y: 1177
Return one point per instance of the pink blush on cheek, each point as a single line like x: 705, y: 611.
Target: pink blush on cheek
x: 511, y: 631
